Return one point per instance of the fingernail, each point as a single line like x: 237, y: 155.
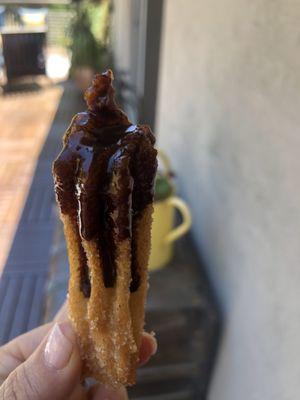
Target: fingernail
x: 154, y: 342
x: 154, y: 348
x: 59, y: 346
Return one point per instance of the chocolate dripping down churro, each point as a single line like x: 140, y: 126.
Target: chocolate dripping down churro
x: 104, y: 188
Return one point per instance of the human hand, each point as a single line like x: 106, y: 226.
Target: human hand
x: 44, y: 364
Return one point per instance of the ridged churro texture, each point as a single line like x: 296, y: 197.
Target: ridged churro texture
x: 103, y: 179
x: 110, y: 323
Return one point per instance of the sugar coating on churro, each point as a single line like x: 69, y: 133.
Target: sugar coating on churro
x: 104, y: 187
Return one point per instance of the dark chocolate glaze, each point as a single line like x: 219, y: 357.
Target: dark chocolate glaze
x: 104, y: 178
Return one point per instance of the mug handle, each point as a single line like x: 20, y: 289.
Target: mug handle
x: 184, y: 210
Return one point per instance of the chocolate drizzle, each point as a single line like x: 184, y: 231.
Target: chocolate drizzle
x: 104, y: 178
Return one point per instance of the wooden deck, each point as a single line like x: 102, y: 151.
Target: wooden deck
x: 25, y: 120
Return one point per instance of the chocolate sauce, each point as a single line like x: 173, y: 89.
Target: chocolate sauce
x: 104, y: 178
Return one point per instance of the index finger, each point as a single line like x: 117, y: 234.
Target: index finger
x: 19, y: 349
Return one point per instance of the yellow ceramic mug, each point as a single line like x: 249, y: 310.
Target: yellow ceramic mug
x: 163, y: 233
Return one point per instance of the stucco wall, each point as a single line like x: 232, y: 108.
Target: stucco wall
x: 128, y: 45
x: 120, y: 31
x: 229, y: 116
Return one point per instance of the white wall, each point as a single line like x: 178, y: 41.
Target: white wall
x: 121, y: 33
x: 229, y: 116
x: 129, y: 23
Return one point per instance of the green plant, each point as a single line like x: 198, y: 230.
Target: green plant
x: 88, y: 49
x: 163, y: 187
x: 83, y: 46
x: 100, y: 17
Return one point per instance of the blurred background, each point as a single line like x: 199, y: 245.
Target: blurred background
x: 218, y: 82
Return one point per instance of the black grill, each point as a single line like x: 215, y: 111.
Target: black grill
x: 24, y: 53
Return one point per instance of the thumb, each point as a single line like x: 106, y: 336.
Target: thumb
x: 51, y: 372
